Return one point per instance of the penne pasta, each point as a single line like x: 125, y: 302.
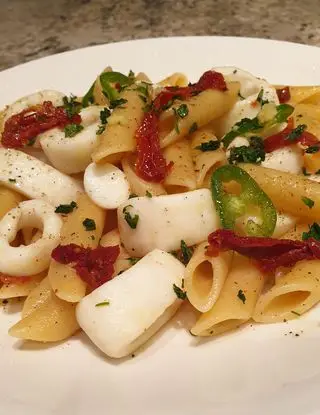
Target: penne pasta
x: 203, y: 108
x: 119, y: 135
x: 176, y: 79
x: 309, y: 115
x: 139, y: 186
x: 287, y: 191
x: 9, y: 199
x: 181, y: 176
x: 304, y: 94
x: 205, y: 276
x: 37, y: 297
x: 20, y: 289
x: 64, y: 280
x: 205, y: 162
x: 236, y: 302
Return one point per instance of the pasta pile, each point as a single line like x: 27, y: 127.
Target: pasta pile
x: 117, y: 206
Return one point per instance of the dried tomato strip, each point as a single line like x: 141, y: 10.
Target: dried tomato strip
x: 94, y: 266
x: 269, y: 253
x: 20, y: 129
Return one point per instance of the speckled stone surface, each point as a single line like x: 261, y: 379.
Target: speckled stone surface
x: 30, y: 29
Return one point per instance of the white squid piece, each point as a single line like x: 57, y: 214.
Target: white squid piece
x: 34, y: 258
x: 31, y: 100
x: 35, y: 179
x: 163, y: 221
x: 73, y: 154
x: 246, y: 106
x: 106, y: 185
x: 287, y: 159
x: 125, y: 312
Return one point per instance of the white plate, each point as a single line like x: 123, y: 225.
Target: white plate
x: 259, y: 370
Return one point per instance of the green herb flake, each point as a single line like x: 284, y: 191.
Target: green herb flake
x: 72, y: 130
x: 132, y: 221
x: 133, y: 261
x: 103, y: 304
x: 89, y: 224
x: 186, y: 252
x: 193, y: 128
x: 241, y: 296
x: 148, y: 194
x: 240, y: 96
x: 314, y: 232
x: 71, y: 105
x: 181, y: 294
x: 132, y: 195
x: 31, y: 142
x: 308, y: 202
x: 296, y: 313
x: 312, y: 149
x: 260, y: 98
x: 296, y: 132
x: 242, y: 127
x: 12, y: 180
x: 254, y: 153
x: 118, y: 103
x: 65, y: 209
x: 100, y: 129
x: 283, y: 113
x: 210, y: 145
x: 182, y: 111
x: 88, y: 97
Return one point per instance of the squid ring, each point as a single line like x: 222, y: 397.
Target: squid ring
x: 34, y: 258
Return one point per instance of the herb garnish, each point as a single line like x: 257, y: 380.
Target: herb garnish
x: 254, y: 153
x: 308, y: 202
x: 148, y: 194
x: 260, y: 98
x: 71, y: 130
x: 133, y: 261
x: 68, y: 208
x: 193, y: 128
x: 132, y: 221
x: 88, y: 97
x: 186, y: 252
x: 210, y: 145
x: 89, y: 224
x: 180, y: 293
x: 12, y: 180
x: 132, y: 195
x: 314, y: 232
x: 109, y: 79
x: 103, y: 303
x: 296, y: 313
x: 182, y: 111
x: 104, y: 115
x: 312, y: 149
x: 241, y: 296
x: 71, y: 106
x: 244, y: 126
x: 117, y: 102
x: 296, y: 132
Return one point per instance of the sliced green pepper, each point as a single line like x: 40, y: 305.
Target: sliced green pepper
x: 109, y: 79
x: 231, y: 207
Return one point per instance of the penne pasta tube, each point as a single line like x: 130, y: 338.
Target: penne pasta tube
x: 163, y: 221
x: 38, y: 296
x: 293, y: 294
x: 202, y: 109
x: 125, y: 312
x: 139, y: 186
x: 303, y: 94
x: 205, y: 276
x: 236, y: 302
x: 176, y: 79
x: 64, y: 280
x: 9, y: 199
x: 309, y: 115
x: 287, y: 191
x: 22, y: 289
x: 181, y: 176
x: 119, y: 135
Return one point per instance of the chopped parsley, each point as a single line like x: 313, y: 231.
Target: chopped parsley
x: 132, y: 221
x: 112, y: 83
x: 296, y: 132
x: 103, y: 303
x: 133, y: 261
x: 254, y: 153
x: 296, y: 313
x: 182, y: 111
x: 143, y: 88
x: 89, y: 224
x: 260, y: 98
x: 71, y: 130
x: 308, y: 202
x: 148, y: 194
x: 283, y: 112
x: 241, y: 296
x: 31, y: 142
x: 314, y: 232
x: 71, y: 106
x: 180, y: 293
x: 132, y: 195
x: 104, y: 115
x: 240, y: 96
x: 66, y: 208
x: 186, y: 252
x: 193, y: 128
x: 210, y: 145
x: 244, y: 126
x: 312, y: 149
x: 118, y: 102
x: 12, y: 180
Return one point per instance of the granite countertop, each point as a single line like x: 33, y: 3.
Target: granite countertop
x: 30, y: 29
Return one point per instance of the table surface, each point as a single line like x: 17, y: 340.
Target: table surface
x: 30, y: 29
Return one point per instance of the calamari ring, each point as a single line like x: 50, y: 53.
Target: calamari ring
x: 34, y: 258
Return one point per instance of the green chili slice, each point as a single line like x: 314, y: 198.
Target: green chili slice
x: 234, y: 206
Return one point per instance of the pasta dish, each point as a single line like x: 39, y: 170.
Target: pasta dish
x: 118, y: 206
